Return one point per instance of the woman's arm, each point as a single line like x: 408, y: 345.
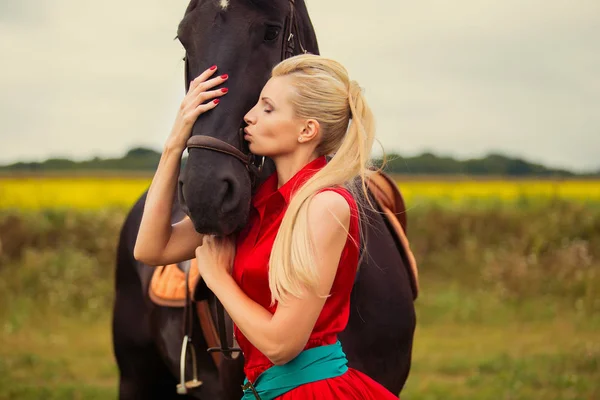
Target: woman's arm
x: 283, y: 335
x: 158, y: 242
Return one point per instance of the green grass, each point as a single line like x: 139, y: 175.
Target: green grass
x: 54, y: 357
x: 509, y: 306
x: 473, y: 346
x: 489, y: 350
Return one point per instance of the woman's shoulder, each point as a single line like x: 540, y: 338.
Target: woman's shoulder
x: 336, y: 201
x: 333, y: 199
x: 336, y: 194
x: 334, y: 209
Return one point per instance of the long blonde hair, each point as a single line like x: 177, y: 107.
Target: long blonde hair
x: 324, y: 92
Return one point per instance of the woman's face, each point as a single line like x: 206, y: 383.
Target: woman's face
x: 273, y: 129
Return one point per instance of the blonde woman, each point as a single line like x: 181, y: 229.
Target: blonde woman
x: 286, y: 282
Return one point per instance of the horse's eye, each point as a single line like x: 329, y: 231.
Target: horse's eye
x: 271, y: 33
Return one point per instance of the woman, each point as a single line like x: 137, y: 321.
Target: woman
x: 286, y: 283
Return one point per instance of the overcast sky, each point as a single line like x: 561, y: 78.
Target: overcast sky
x: 460, y: 78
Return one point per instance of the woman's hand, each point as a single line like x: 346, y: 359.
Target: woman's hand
x: 215, y: 257
x: 195, y: 103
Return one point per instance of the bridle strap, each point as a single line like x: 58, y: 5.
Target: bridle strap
x: 289, y: 47
x: 211, y: 143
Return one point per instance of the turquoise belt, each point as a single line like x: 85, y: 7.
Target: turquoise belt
x: 311, y: 365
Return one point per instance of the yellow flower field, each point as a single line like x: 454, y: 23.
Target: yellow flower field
x: 460, y: 191
x: 93, y: 193
x: 34, y: 193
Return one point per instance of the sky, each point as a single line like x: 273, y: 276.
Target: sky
x: 465, y: 78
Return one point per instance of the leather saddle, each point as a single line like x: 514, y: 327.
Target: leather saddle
x: 391, y: 204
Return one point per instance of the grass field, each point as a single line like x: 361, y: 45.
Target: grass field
x: 509, y: 305
x: 515, y: 356
x: 510, y: 354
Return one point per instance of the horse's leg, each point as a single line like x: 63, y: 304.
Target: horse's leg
x: 142, y: 372
x: 379, y: 336
x: 143, y: 375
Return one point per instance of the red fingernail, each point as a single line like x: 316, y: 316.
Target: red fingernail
x: 224, y: 76
x: 216, y: 101
x: 224, y: 90
x: 213, y: 68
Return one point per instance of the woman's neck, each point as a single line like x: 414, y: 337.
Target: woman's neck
x: 287, y: 166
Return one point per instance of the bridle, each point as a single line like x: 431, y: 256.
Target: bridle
x: 254, y: 167
x: 249, y: 160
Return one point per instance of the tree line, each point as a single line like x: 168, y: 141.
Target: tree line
x: 145, y: 159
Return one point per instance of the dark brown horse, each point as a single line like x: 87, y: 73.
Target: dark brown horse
x: 246, y: 38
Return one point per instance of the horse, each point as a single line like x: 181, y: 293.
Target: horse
x: 246, y: 38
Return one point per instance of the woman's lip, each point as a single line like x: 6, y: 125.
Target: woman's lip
x: 247, y: 133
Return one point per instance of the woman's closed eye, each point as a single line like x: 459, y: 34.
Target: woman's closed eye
x: 267, y: 110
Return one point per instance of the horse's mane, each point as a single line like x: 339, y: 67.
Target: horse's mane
x: 270, y: 5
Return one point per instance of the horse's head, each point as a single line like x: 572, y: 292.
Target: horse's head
x: 245, y: 39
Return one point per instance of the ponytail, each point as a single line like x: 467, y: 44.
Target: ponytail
x: 325, y: 93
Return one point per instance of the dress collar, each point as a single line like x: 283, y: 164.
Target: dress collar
x: 269, y: 187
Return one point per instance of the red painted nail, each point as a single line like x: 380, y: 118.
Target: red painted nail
x: 213, y: 68
x: 216, y: 101
x: 224, y: 90
x: 224, y: 76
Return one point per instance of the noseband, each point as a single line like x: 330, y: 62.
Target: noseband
x: 211, y: 143
x: 250, y: 161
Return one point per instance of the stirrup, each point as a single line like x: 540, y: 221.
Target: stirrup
x: 183, y: 386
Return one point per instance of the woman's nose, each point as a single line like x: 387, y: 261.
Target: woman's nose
x: 249, y: 117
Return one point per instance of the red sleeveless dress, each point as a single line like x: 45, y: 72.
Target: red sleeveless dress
x: 250, y: 271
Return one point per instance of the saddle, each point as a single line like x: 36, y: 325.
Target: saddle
x: 391, y: 204
x: 168, y: 286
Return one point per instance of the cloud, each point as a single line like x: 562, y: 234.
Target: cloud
x: 469, y: 77
x: 90, y: 78
x: 460, y: 78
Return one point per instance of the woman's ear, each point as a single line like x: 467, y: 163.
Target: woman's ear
x: 310, y: 131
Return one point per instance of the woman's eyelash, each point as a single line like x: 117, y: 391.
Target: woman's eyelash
x: 267, y: 111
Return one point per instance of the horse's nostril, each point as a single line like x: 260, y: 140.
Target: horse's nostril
x: 181, y: 198
x: 229, y: 202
